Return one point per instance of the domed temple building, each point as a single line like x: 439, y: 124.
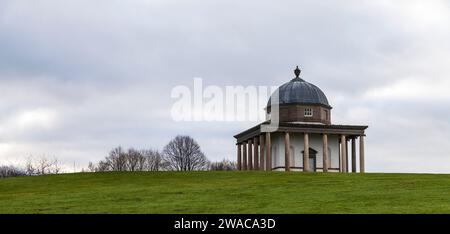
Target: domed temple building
x: 298, y: 134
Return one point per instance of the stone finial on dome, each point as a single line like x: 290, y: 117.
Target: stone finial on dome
x: 297, y: 72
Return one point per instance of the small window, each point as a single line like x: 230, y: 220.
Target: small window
x: 308, y: 112
x: 326, y: 114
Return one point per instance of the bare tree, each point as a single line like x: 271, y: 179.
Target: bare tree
x: 55, y: 167
x: 142, y: 162
x: 10, y: 171
x: 103, y: 166
x: 183, y: 154
x: 91, y: 167
x: 29, y: 166
x: 119, y: 160
x: 153, y: 160
x: 134, y: 160
x: 116, y: 160
x: 224, y: 165
x: 42, y: 166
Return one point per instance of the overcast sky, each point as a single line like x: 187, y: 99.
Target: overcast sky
x: 78, y: 78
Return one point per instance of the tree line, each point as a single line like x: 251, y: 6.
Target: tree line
x: 33, y: 166
x: 182, y: 153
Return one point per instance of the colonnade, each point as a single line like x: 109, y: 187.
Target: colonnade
x: 255, y: 153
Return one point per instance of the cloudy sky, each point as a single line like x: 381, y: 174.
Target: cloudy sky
x: 78, y: 78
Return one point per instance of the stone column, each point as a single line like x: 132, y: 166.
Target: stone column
x: 325, y: 153
x: 343, y: 153
x: 262, y: 155
x: 353, y: 155
x: 244, y: 156
x: 250, y: 156
x: 255, y: 154
x: 268, y: 152
x: 239, y: 156
x: 306, y: 152
x: 287, y: 154
x: 361, y: 154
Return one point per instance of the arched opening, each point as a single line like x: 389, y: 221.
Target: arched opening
x: 312, y: 159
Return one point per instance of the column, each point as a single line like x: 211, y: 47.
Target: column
x: 255, y: 154
x: 343, y: 153
x: 361, y: 154
x: 250, y: 157
x: 287, y: 156
x: 262, y: 156
x: 239, y: 156
x: 353, y: 155
x: 325, y: 153
x: 244, y: 155
x: 306, y: 152
x: 268, y: 152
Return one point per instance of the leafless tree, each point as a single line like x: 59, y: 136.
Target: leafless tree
x: 42, y: 166
x: 55, y: 166
x: 134, y: 160
x: 30, y: 167
x: 116, y: 160
x: 224, y: 165
x: 183, y: 154
x: 103, y: 166
x: 120, y: 160
x: 91, y: 167
x: 142, y: 162
x: 154, y: 160
x: 11, y: 171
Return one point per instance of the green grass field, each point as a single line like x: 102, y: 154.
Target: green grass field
x: 226, y: 192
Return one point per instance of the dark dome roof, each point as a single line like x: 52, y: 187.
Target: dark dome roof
x: 298, y: 91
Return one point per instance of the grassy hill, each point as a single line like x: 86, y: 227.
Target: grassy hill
x: 226, y: 192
